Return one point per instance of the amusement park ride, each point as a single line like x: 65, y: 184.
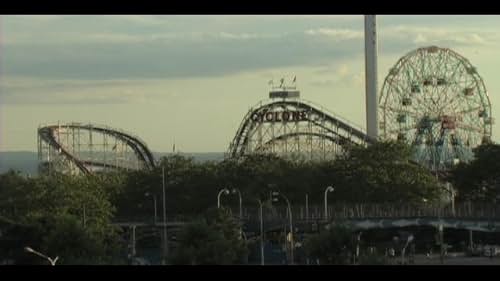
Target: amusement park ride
x: 76, y: 148
x: 433, y: 99
x: 293, y: 128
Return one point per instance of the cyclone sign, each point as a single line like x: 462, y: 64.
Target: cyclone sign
x: 280, y: 116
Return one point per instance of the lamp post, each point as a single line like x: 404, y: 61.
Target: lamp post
x: 226, y: 191
x: 358, y: 240
x: 328, y: 189
x: 307, y: 207
x: 452, y: 193
x: 52, y: 261
x: 84, y: 217
x: 441, y: 256
x: 165, y: 237
x: 147, y: 194
x: 235, y: 190
x: 261, y: 233
x: 410, y: 238
x: 276, y: 193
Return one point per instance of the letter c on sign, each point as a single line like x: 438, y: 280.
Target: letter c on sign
x: 255, y: 117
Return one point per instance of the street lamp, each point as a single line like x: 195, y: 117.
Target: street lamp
x: 226, y: 191
x: 276, y: 193
x: 52, y: 261
x: 410, y: 238
x: 328, y: 189
x: 235, y: 190
x: 358, y: 239
x: 165, y: 237
x: 307, y: 207
x: 452, y: 193
x: 147, y: 194
x: 441, y: 256
x: 261, y: 233
x: 84, y: 217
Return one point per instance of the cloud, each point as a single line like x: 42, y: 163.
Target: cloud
x: 420, y: 39
x: 236, y: 36
x: 166, y: 47
x: 341, y: 75
x: 336, y: 34
x: 436, y: 35
x: 322, y: 82
x: 193, y: 54
x: 22, y: 90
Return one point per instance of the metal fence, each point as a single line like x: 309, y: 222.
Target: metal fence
x: 347, y: 211
x: 364, y: 211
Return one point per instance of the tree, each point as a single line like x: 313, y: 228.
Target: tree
x: 383, y: 172
x: 52, y: 209
x: 66, y: 237
x: 201, y: 244
x: 190, y: 188
x: 479, y: 180
x: 215, y: 239
x: 223, y: 221
x: 332, y: 246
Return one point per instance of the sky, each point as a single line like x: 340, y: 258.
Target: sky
x: 190, y: 80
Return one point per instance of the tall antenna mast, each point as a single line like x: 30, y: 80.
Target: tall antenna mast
x: 371, y: 76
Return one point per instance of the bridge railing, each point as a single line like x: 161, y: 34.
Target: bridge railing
x: 365, y: 211
x: 346, y: 211
x: 150, y: 219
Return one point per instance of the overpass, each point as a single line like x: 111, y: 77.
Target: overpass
x: 358, y: 217
x: 470, y: 216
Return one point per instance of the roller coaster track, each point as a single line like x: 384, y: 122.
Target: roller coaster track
x: 48, y: 135
x: 350, y: 134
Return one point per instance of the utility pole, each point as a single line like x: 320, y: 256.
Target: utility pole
x: 292, y: 244
x: 133, y: 241
x: 261, y: 233
x: 165, y: 237
x: 307, y: 207
x: 84, y: 217
x: 441, y: 238
x: 328, y: 189
x: 471, y: 244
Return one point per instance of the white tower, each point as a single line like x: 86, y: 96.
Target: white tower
x: 371, y: 75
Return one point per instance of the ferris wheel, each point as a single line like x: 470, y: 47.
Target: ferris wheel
x: 434, y: 99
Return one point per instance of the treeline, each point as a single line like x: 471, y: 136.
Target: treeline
x: 381, y: 173
x: 70, y: 216
x: 58, y: 215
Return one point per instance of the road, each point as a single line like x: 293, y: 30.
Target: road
x: 456, y: 259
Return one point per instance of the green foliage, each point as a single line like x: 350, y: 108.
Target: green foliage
x: 479, y: 180
x: 332, y: 246
x: 383, y: 173
x: 52, y: 207
x: 380, y: 173
x: 66, y: 237
x: 190, y: 188
x: 216, y: 239
x: 49, y: 211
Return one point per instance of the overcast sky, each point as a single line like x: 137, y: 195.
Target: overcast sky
x: 191, y: 79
